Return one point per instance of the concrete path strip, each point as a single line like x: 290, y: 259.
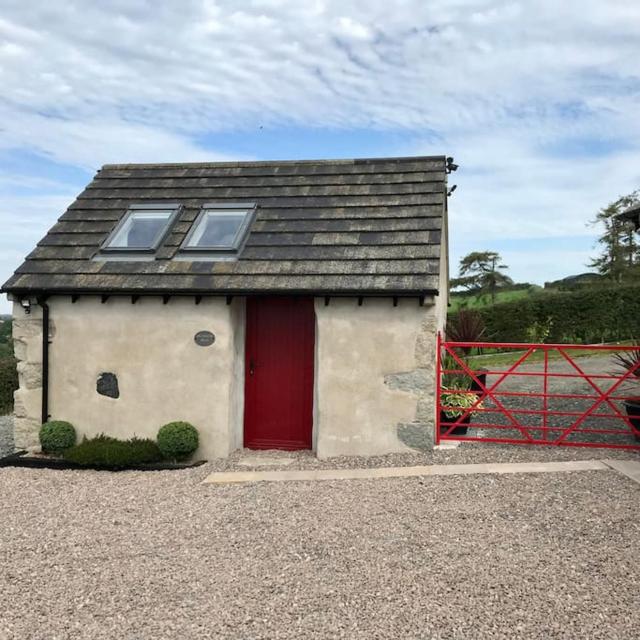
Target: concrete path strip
x: 227, y: 477
x: 629, y: 468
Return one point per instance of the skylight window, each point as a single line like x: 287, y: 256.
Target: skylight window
x: 220, y: 227
x: 142, y: 229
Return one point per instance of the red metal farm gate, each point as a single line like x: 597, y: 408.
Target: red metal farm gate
x: 546, y: 394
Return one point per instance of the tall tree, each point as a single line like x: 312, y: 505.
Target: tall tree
x: 619, y: 251
x: 482, y: 273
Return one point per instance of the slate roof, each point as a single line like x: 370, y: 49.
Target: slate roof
x: 370, y: 226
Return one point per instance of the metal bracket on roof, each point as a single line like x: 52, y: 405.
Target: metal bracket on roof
x: 74, y: 298
x: 104, y: 298
x: 327, y: 300
x: 360, y: 301
x: 631, y: 216
x: 165, y: 299
x: 134, y: 299
x: 198, y: 299
x: 229, y: 299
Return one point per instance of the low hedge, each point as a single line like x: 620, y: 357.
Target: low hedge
x: 105, y: 451
x: 177, y: 440
x: 57, y: 436
x: 8, y: 383
x: 582, y: 317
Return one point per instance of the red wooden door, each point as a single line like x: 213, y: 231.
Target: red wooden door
x: 279, y: 358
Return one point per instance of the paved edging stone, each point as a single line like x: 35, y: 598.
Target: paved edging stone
x: 629, y: 468
x: 405, y: 472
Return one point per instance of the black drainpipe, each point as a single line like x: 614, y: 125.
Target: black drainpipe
x: 45, y: 359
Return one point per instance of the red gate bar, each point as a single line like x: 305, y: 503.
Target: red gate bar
x: 487, y: 389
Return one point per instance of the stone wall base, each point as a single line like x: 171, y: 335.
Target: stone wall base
x: 27, y: 345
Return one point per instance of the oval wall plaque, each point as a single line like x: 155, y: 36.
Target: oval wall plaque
x: 204, y: 338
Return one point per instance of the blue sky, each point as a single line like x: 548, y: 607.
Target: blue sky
x: 538, y: 102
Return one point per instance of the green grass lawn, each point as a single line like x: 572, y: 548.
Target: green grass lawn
x: 475, y: 302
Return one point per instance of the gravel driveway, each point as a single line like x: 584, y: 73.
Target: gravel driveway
x: 159, y: 555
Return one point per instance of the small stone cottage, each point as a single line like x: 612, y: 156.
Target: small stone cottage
x: 287, y: 305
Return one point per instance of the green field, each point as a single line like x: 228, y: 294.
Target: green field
x: 475, y: 302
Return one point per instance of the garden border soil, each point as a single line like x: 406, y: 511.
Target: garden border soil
x: 21, y: 459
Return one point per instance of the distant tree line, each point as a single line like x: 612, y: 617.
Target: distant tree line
x: 585, y: 316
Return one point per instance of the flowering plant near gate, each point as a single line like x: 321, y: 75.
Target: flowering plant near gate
x: 454, y: 403
x: 456, y: 395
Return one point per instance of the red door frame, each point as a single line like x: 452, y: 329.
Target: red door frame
x: 279, y: 372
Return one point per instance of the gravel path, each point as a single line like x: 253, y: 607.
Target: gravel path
x: 466, y: 453
x: 159, y: 555
x: 6, y: 435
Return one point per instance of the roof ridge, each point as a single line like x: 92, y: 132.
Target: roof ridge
x: 273, y: 163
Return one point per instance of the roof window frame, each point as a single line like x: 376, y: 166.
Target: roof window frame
x: 173, y: 207
x: 240, y: 239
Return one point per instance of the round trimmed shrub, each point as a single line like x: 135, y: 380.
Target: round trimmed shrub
x: 56, y: 436
x: 177, y: 440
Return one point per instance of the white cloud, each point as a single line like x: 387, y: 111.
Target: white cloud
x: 24, y: 220
x: 353, y: 29
x: 207, y: 65
x: 93, y: 141
x: 544, y: 264
x: 509, y: 189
